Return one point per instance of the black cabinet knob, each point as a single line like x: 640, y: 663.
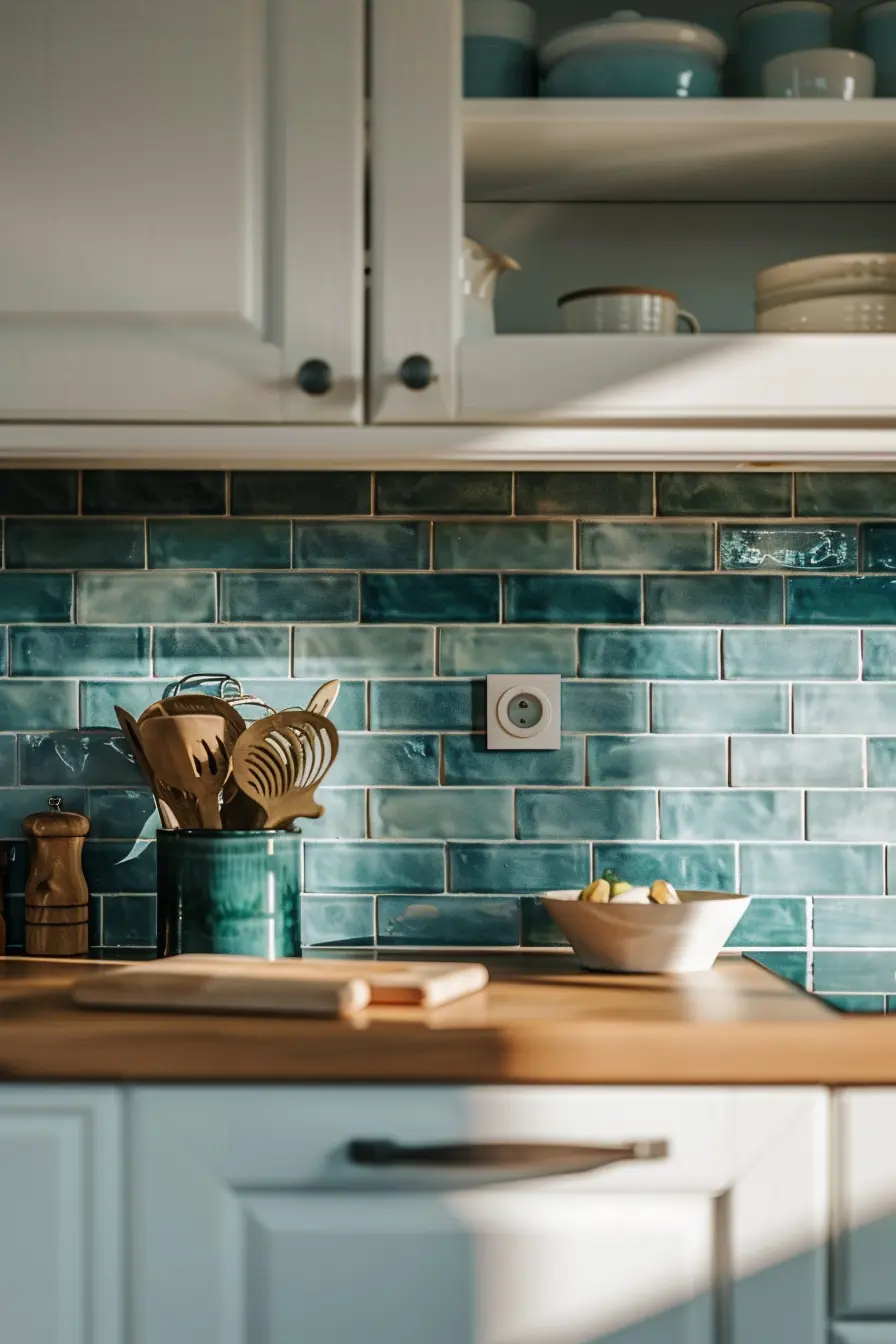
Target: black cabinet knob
x: 315, y: 377
x: 417, y: 373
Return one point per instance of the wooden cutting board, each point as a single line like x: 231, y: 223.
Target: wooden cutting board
x: 253, y: 984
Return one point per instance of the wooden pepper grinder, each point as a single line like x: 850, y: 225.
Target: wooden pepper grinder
x: 56, y: 892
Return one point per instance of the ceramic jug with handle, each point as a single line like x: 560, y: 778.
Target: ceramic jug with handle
x: 481, y: 269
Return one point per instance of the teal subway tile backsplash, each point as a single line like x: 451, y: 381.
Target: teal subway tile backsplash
x: 704, y: 734
x: 74, y: 543
x: 584, y: 494
x: 644, y: 546
x: 793, y: 966
x: 650, y: 654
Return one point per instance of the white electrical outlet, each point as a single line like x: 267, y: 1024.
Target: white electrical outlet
x: 522, y: 713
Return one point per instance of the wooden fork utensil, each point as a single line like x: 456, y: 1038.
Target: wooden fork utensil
x: 190, y: 752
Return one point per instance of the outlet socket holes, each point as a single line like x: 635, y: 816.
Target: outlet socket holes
x: 525, y: 711
x: 522, y: 713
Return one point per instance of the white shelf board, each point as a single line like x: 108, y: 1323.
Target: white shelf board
x: 694, y: 150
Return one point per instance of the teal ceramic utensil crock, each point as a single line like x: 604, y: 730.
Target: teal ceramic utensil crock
x: 229, y: 891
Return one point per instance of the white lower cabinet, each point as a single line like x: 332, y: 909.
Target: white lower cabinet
x: 864, y: 1130
x: 61, y: 1266
x: 250, y: 1222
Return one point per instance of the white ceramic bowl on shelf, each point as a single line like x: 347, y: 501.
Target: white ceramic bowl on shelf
x: 648, y: 939
x: 840, y: 273
x: 845, y: 314
x: 826, y: 72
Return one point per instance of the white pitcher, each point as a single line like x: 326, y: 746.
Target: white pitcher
x: 481, y: 269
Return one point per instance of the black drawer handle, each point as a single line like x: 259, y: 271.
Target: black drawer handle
x: 537, y: 1159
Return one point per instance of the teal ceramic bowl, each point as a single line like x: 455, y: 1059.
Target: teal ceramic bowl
x: 631, y: 57
x: 778, y: 28
x: 877, y: 39
x: 234, y: 892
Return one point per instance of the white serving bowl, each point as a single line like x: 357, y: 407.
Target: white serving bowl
x: 816, y: 277
x: 826, y: 72
x: 648, y: 939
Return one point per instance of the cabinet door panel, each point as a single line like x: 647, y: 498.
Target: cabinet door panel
x: 60, y: 1228
x: 170, y: 225
x: 865, y: 1195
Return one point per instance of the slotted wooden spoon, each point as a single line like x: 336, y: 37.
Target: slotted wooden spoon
x: 190, y: 752
x: 279, y: 761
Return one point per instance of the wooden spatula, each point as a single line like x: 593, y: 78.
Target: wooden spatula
x: 189, y: 752
x: 175, y: 810
x: 279, y: 761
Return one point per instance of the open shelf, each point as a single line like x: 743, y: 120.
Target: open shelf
x: 663, y: 150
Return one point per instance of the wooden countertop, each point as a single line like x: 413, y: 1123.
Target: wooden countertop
x: 541, y: 1020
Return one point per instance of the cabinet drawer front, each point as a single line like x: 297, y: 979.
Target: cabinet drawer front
x: 865, y: 1204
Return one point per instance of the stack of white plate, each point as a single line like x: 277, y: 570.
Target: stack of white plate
x: 854, y: 292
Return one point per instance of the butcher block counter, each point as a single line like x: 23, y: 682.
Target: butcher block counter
x: 541, y: 1020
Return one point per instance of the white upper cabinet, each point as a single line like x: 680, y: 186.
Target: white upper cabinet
x: 688, y: 196
x: 182, y: 219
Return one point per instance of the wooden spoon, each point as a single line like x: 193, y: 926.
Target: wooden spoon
x: 279, y: 761
x: 189, y: 752
x: 172, y: 812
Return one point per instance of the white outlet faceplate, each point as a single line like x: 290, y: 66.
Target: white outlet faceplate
x: 522, y: 713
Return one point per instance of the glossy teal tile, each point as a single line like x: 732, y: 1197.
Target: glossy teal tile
x: 7, y: 760
x: 289, y: 597
x: 14, y: 915
x: 812, y: 548
x: 854, y: 972
x: 846, y: 494
x: 690, y: 867
x: 59, y: 759
x: 661, y: 654
x: 517, y: 868
x: 504, y: 546
x: 603, y: 707
x: 129, y: 921
x: 380, y: 758
x: 368, y: 868
x: 654, y: 761
x: 719, y: 708
x: 148, y: 492
x: 18, y: 803
x: 879, y: 655
x: 262, y: 651
x: 37, y: 492
x: 477, y: 652
x: 862, y: 601
x: 3, y: 642
x: 398, y: 651
x: 587, y: 814
x: 745, y: 814
x: 466, y: 761
x: 99, y: 698
x: 716, y: 599
x: 882, y: 762
x: 812, y: 870
x: 854, y: 709
x: 793, y: 966
x: 344, y: 818
x: 429, y: 597
x: 856, y: 1003
x: 448, y: 921
x: 338, y: 921
x: 843, y: 814
x: 357, y: 545
x: 437, y: 705
x: 80, y: 651
x: 647, y: 546
x: 35, y: 543
x: 317, y: 494
x: 221, y: 543
x: 537, y: 929
x: 797, y: 762
x: 854, y: 923
x: 119, y: 814
x: 878, y: 547
x: 116, y: 599
x: 579, y: 494
x: 107, y: 866
x: 36, y: 597
x: 724, y: 494
x: 578, y: 598
x: 773, y: 921
x: 349, y: 714
x: 442, y: 814
x: 441, y: 492
x: 790, y: 655
x: 37, y: 705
